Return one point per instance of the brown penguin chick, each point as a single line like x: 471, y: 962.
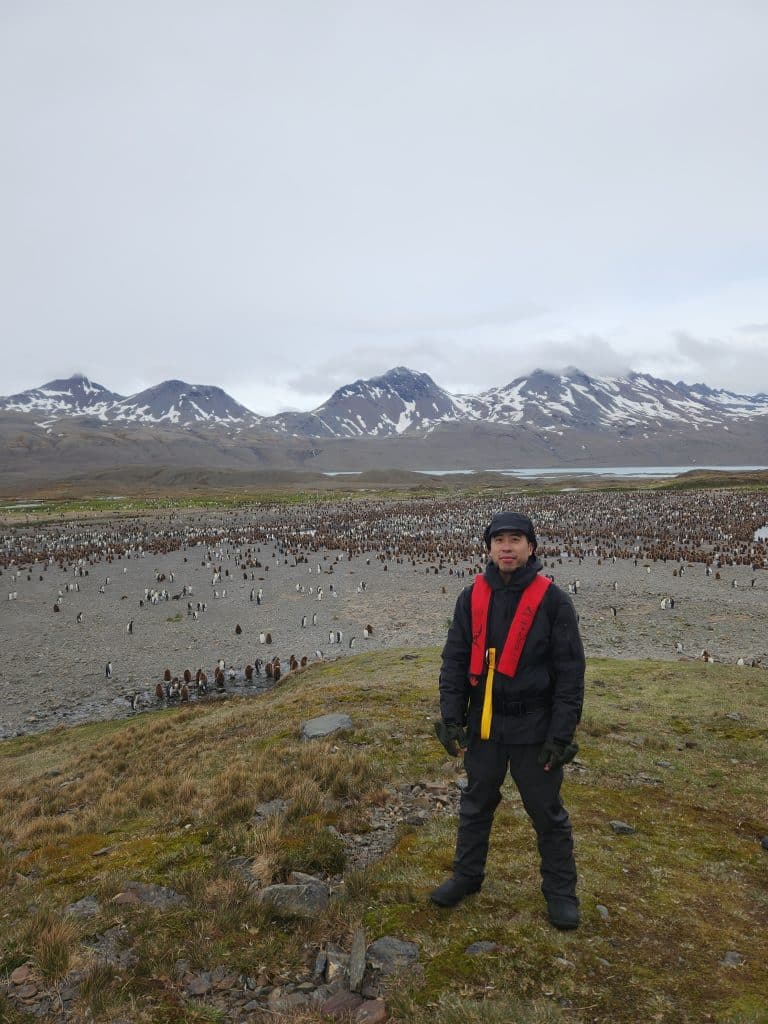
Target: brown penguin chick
x: 167, y: 675
x: 184, y: 692
x: 249, y: 673
x: 238, y: 629
x: 187, y: 676
x: 159, y: 691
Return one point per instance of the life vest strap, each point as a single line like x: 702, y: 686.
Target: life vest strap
x: 485, y: 721
x: 484, y: 663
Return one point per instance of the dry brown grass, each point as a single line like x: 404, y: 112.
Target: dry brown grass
x: 100, y: 993
x: 55, y: 948
x: 45, y: 829
x: 263, y: 844
x: 304, y: 797
x: 228, y: 810
x: 187, y: 793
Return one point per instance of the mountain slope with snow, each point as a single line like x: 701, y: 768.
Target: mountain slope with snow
x: 404, y: 402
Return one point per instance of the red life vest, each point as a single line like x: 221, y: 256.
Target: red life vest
x: 530, y: 599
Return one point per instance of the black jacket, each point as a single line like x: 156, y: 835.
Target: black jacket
x: 544, y: 699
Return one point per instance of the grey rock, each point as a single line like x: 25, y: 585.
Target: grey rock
x: 88, y: 906
x: 295, y: 900
x: 621, y: 828
x: 341, y: 1005
x: 481, y: 947
x: 732, y: 958
x: 603, y: 912
x: 301, y: 878
x: 764, y: 842
x: 158, y: 896
x: 199, y: 984
x: 417, y: 818
x: 114, y: 947
x: 286, y: 1002
x: 336, y: 965
x: 357, y: 960
x: 321, y: 961
x: 270, y: 808
x: 389, y: 954
x: 314, y: 728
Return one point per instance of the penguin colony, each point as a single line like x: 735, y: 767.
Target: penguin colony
x: 665, y: 536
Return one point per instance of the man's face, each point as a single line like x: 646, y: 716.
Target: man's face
x: 510, y: 550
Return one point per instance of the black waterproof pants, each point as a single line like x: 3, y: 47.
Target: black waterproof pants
x: 486, y: 763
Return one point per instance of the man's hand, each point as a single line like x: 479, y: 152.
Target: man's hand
x: 555, y: 753
x: 453, y: 737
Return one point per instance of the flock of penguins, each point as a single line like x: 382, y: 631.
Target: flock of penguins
x: 718, y: 529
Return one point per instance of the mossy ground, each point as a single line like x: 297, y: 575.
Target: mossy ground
x: 677, y: 751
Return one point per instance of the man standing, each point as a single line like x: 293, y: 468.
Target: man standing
x: 511, y: 693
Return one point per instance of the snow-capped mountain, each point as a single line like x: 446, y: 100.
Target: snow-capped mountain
x: 403, y: 402
x: 173, y: 402
x: 386, y: 406
x: 176, y: 402
x: 76, y: 396
x: 574, y: 399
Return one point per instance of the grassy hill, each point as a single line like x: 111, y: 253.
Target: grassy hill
x: 678, y: 751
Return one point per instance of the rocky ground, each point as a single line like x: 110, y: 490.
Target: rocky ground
x: 342, y: 985
x: 53, y: 667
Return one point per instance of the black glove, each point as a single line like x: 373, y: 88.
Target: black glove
x: 453, y: 737
x: 555, y: 753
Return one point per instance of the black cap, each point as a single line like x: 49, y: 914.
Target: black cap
x: 503, y: 521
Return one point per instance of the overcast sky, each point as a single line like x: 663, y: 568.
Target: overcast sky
x: 281, y: 197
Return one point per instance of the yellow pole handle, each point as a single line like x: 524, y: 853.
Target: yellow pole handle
x: 485, y: 721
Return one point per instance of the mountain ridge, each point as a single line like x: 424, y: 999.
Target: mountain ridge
x: 77, y: 434
x: 403, y: 401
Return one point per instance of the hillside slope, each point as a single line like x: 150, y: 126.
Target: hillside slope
x: 178, y: 799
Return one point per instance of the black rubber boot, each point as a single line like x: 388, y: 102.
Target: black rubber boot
x: 563, y: 912
x: 454, y: 889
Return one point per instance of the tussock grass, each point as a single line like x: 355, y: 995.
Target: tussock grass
x: 228, y: 809
x: 677, y: 753
x: 54, y: 948
x: 101, y: 992
x: 45, y: 829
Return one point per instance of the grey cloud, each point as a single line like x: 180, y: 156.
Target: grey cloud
x: 724, y: 361
x: 591, y: 353
x: 246, y: 195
